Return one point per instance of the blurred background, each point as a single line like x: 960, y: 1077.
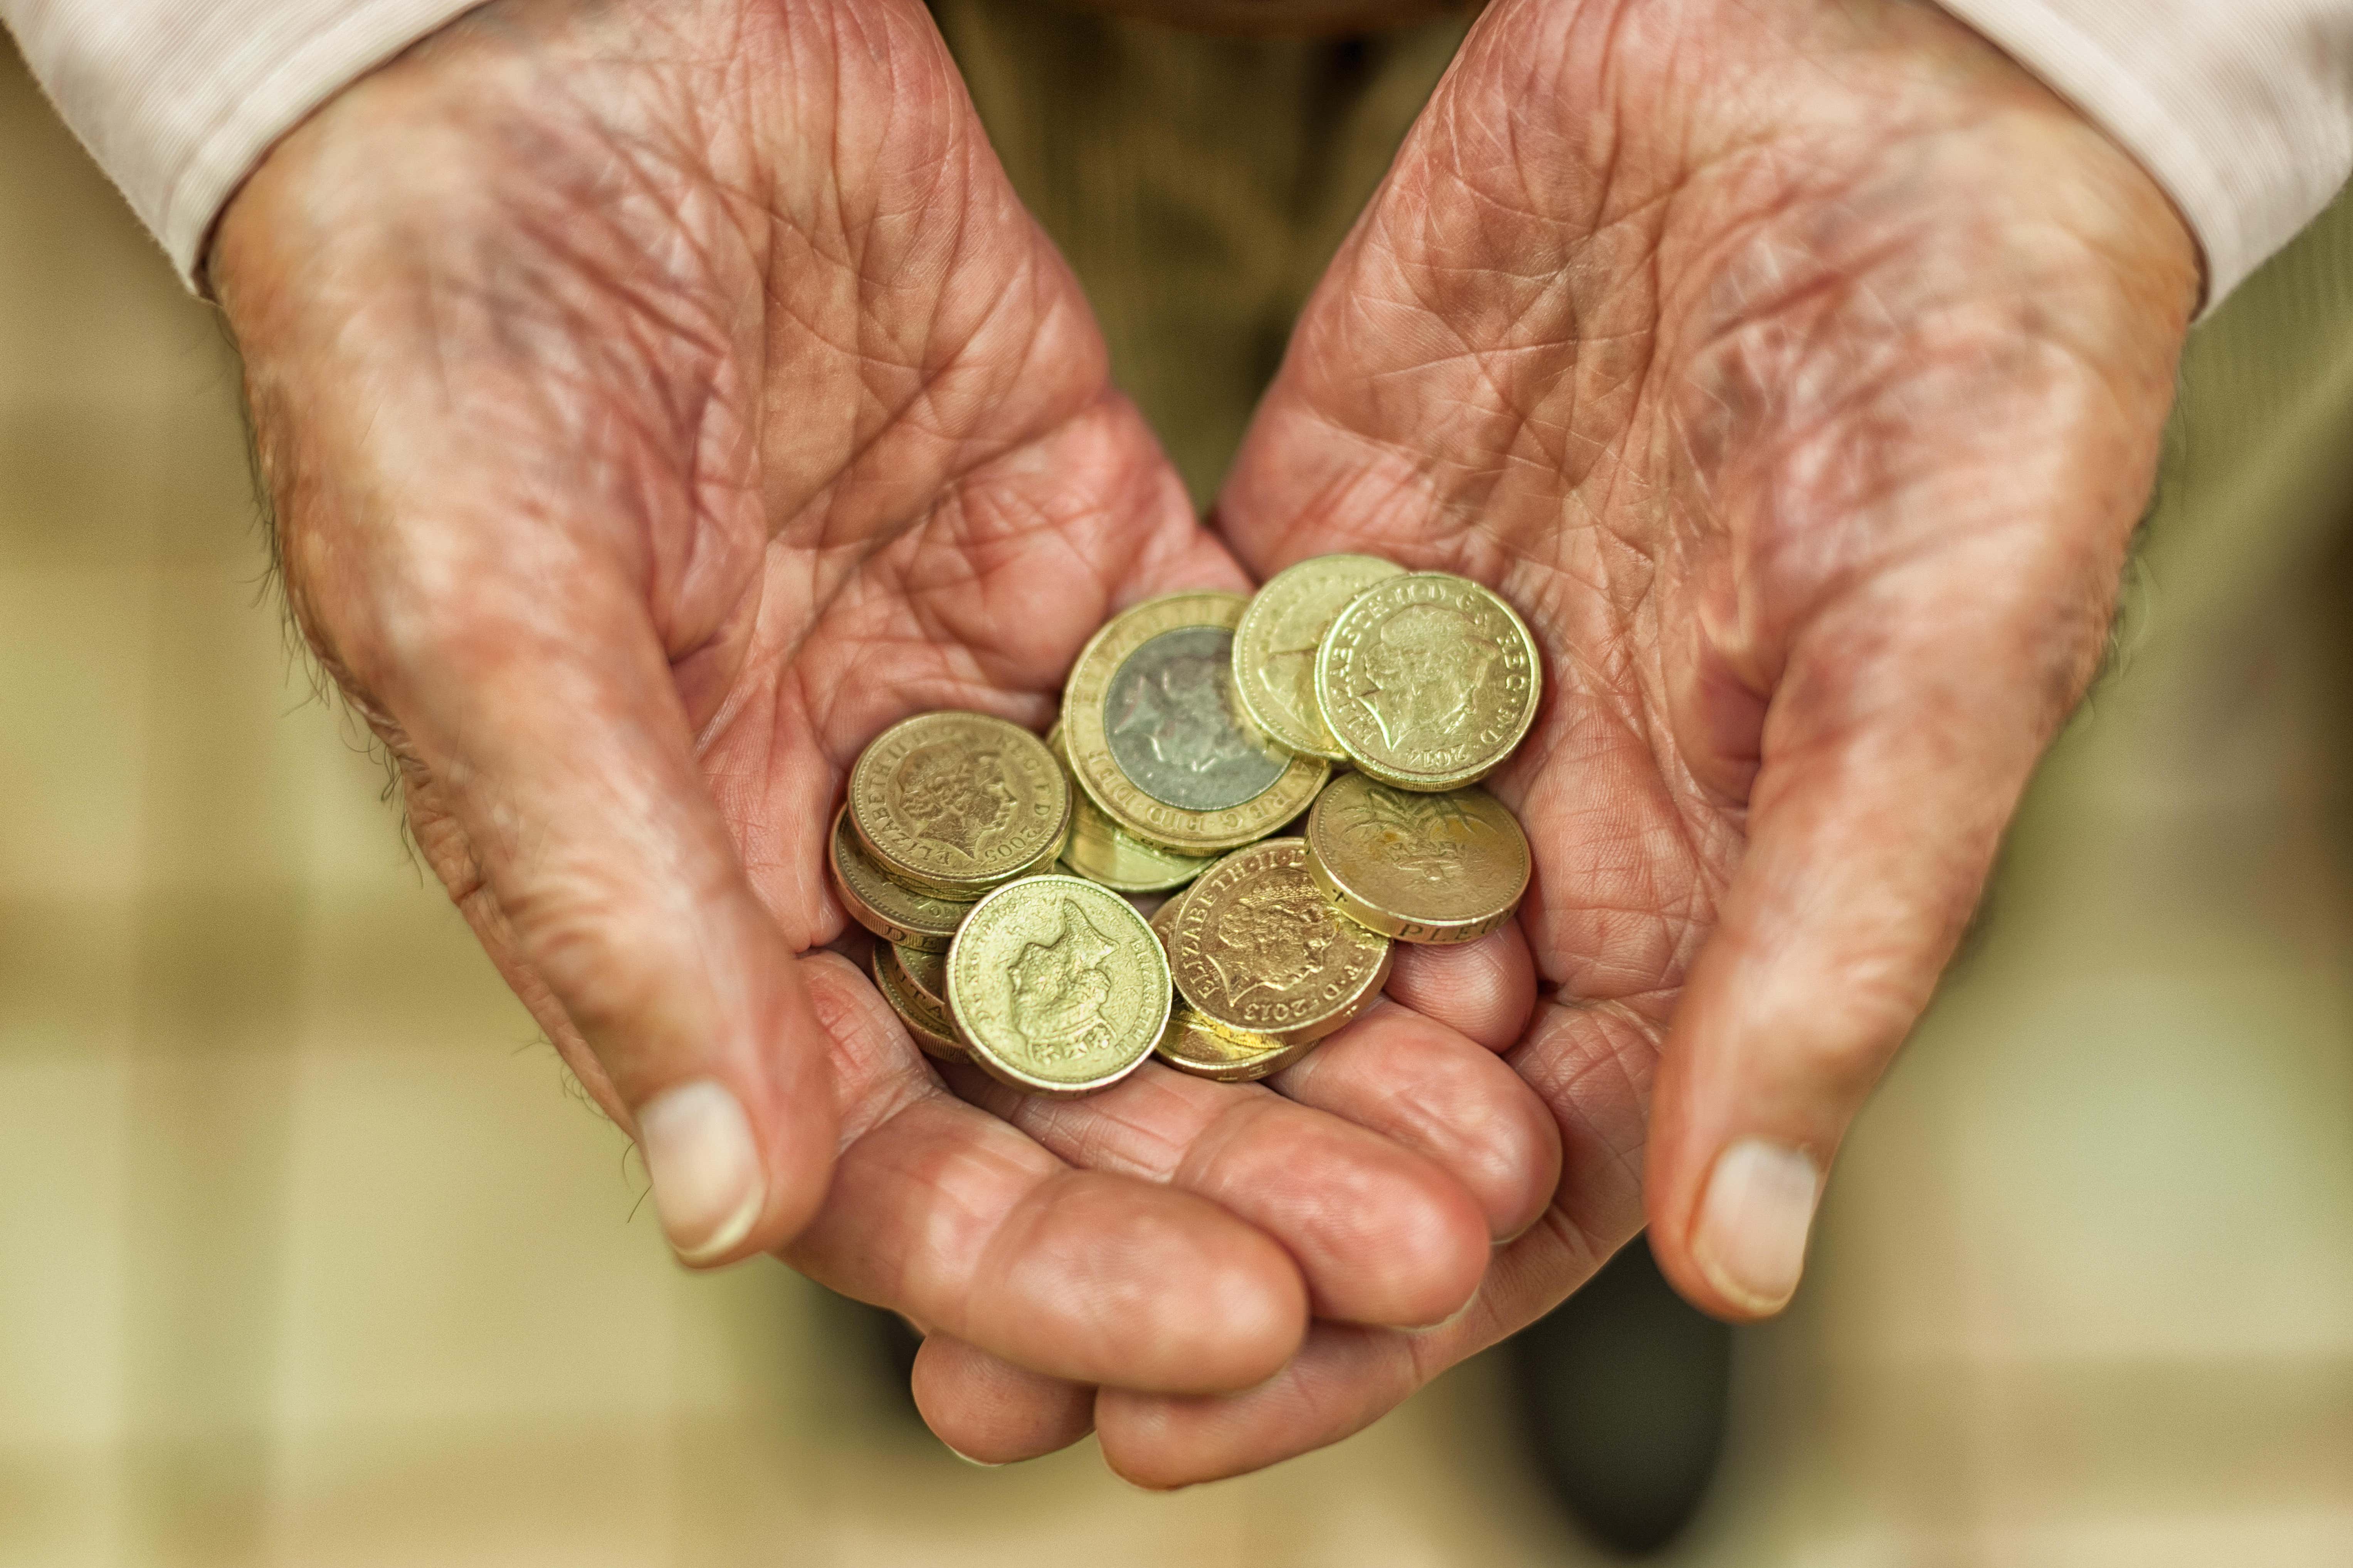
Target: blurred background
x: 310, y: 1254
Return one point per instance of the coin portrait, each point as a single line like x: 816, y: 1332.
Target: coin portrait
x: 955, y: 803
x: 1428, y: 681
x: 1171, y: 721
x: 1275, y: 646
x: 1059, y: 985
x: 1427, y: 867
x: 1259, y: 946
x: 1153, y: 738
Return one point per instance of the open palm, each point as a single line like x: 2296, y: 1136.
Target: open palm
x: 1797, y: 369
x: 658, y: 400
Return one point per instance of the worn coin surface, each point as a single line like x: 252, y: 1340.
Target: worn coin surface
x: 1149, y: 722
x: 1058, y: 985
x: 1198, y: 1044
x: 1257, y: 946
x: 892, y: 910
x: 926, y: 972
x: 1427, y: 680
x: 1274, y: 646
x: 954, y: 803
x: 927, y: 1019
x: 1442, y: 867
x: 1100, y: 850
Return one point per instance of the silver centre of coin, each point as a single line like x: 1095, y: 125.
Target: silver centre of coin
x: 1171, y: 721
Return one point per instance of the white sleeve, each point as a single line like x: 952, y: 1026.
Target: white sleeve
x: 178, y: 99
x: 2242, y: 110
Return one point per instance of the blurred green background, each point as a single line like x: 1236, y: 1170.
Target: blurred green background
x: 310, y: 1256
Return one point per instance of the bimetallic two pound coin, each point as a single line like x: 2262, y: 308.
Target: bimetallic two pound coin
x: 925, y: 1018
x: 1427, y: 680
x: 1150, y: 724
x: 1275, y: 644
x: 1058, y: 985
x: 1259, y: 947
x: 1102, y: 851
x: 1434, y: 869
x: 1198, y: 1044
x: 892, y: 910
x: 956, y: 804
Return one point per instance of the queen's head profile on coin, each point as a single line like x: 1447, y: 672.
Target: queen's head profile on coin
x: 953, y: 795
x: 1427, y: 680
x: 955, y: 803
x: 1270, y: 941
x: 1426, y: 668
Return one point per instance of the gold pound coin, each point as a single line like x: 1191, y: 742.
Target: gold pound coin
x: 1259, y: 947
x: 892, y: 910
x: 1274, y: 646
x: 1102, y: 851
x: 927, y: 1020
x: 1058, y: 986
x: 956, y: 804
x: 1150, y: 725
x: 1419, y: 868
x: 1198, y: 1044
x: 1429, y: 681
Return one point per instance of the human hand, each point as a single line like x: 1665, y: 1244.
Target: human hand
x: 659, y: 399
x: 1797, y: 369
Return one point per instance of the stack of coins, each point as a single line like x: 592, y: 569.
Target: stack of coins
x: 1195, y: 729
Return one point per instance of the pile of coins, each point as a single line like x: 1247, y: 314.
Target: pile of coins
x: 1004, y: 873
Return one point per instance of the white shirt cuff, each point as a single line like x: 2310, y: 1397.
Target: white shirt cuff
x: 2242, y: 109
x: 178, y: 99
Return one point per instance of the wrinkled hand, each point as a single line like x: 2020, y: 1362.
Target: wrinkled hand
x: 1799, y: 371
x: 659, y: 399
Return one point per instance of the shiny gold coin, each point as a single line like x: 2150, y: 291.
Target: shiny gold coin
x: 1419, y: 868
x: 1149, y: 722
x: 1058, y: 985
x: 1198, y: 1044
x: 1259, y: 947
x: 1274, y: 646
x: 927, y: 1020
x: 892, y: 910
x: 954, y: 803
x: 1427, y: 680
x: 1102, y: 851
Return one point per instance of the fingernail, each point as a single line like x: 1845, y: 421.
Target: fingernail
x: 968, y: 1458
x: 708, y: 1185
x: 1750, y: 1241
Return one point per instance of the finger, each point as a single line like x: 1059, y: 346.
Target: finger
x: 1591, y: 1066
x: 1382, y: 1235
x: 1343, y: 1379
x: 949, y: 1214
x: 992, y: 1412
x: 1430, y: 1090
x: 1485, y: 989
x: 555, y: 791
x: 1888, y: 772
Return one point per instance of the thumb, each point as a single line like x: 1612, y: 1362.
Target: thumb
x: 1891, y: 764
x: 551, y: 781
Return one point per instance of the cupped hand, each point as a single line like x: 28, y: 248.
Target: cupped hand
x: 1797, y: 369
x: 659, y: 399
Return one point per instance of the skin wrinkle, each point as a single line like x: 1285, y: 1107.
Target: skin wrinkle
x: 1608, y: 553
